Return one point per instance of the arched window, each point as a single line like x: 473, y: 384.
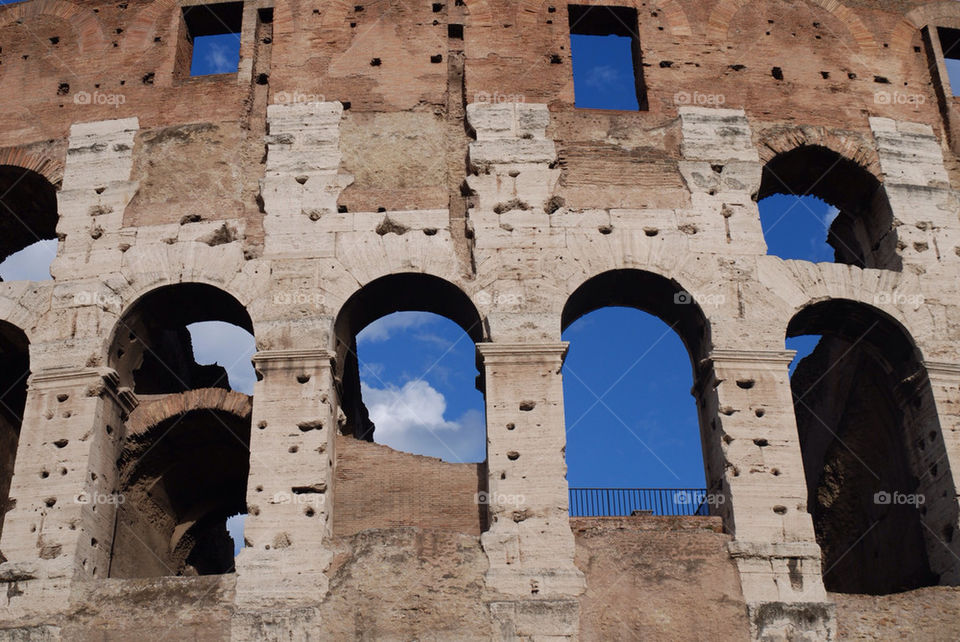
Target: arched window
x: 817, y: 205
x: 880, y: 490
x: 418, y: 382
x: 407, y: 358
x: 633, y: 442
x: 152, y: 349
x: 14, y: 354
x: 183, y: 465
x: 28, y: 224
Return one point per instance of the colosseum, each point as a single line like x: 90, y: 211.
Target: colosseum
x: 379, y: 156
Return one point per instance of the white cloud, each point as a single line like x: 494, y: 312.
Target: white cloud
x: 32, y: 263
x: 412, y: 419
x: 235, y: 528
x: 218, y: 60
x: 830, y: 216
x: 374, y: 370
x: 229, y: 346
x: 602, y: 77
x: 384, y: 327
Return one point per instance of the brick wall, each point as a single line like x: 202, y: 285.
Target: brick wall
x: 378, y: 487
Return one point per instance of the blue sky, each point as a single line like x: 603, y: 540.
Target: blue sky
x: 215, y: 54
x: 603, y: 72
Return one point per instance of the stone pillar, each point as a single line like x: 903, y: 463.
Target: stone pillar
x: 762, y: 492
x: 288, y: 491
x: 64, y: 485
x: 529, y: 542
x: 918, y: 188
x: 942, y: 517
x: 96, y: 191
x: 722, y: 168
x: 302, y: 181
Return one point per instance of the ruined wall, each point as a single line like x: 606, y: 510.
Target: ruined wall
x: 689, y: 584
x: 924, y: 614
x: 440, y: 141
x: 378, y: 487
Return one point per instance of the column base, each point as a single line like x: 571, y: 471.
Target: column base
x: 792, y: 621
x: 541, y: 620
x: 536, y: 583
x: 783, y: 588
x: 301, y: 624
x: 281, y: 579
x: 33, y: 601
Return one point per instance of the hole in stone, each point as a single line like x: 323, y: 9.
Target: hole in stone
x: 608, y: 33
x: 211, y: 38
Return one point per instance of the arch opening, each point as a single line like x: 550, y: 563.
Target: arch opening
x: 414, y: 421
x: 637, y: 342
x: 181, y: 480
x: 183, y: 462
x: 15, y: 356
x: 28, y: 224
x: 879, y: 487
x: 817, y: 205
x: 152, y: 349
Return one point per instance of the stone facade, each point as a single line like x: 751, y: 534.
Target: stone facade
x: 373, y: 157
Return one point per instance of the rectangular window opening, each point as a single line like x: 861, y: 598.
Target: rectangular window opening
x: 211, y: 38
x: 607, y: 61
x: 950, y: 44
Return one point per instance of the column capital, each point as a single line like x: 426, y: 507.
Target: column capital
x: 288, y: 358
x: 99, y: 381
x: 720, y: 355
x: 60, y: 377
x: 949, y: 370
x: 522, y: 352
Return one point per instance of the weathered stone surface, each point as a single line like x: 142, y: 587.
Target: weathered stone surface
x: 433, y: 154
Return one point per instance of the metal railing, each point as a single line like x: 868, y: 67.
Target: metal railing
x: 621, y: 502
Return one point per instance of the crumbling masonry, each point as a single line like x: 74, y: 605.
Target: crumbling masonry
x: 374, y: 156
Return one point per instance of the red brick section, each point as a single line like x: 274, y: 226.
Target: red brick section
x: 378, y: 487
x: 49, y: 168
x: 154, y: 409
x: 87, y: 60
